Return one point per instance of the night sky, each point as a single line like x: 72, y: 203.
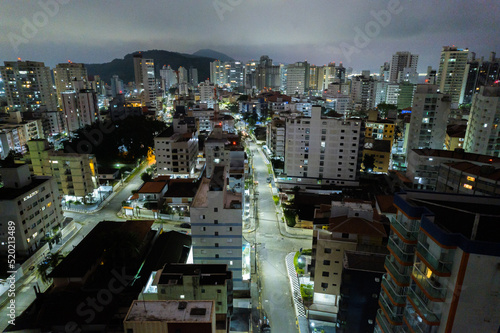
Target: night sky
x: 319, y: 31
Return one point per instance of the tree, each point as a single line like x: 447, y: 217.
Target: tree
x: 384, y: 108
x: 368, y: 163
x: 146, y: 177
x: 45, y: 267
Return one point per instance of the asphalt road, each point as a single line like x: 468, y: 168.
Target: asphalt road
x: 272, y: 248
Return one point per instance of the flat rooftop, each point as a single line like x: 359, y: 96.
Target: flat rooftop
x: 456, y: 213
x: 457, y: 154
x: 171, y: 311
x: 364, y: 261
x: 13, y: 193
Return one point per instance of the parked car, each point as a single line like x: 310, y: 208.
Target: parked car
x: 185, y: 225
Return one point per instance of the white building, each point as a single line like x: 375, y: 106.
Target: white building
x: 392, y: 94
x: 218, y: 148
x: 216, y: 225
x: 322, y: 150
x: 168, y: 78
x: 80, y: 109
x: 176, y: 150
x: 15, y: 133
x: 32, y: 204
x: 275, y: 137
x: 429, y: 118
x: 207, y: 93
x: 483, y: 129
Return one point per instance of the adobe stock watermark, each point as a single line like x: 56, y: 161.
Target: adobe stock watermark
x: 223, y: 6
x: 363, y: 37
x: 30, y: 28
x: 88, y: 309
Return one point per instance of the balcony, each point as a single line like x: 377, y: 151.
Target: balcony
x: 408, y: 230
x: 401, y: 279
x: 391, y: 291
x: 414, y: 324
x: 427, y: 315
x: 433, y: 290
x: 439, y: 267
x: 392, y: 316
x: 382, y: 322
x: 406, y: 258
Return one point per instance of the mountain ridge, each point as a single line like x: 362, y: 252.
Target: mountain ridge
x: 124, y: 67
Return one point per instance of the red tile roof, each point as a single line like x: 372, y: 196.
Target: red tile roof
x: 152, y: 187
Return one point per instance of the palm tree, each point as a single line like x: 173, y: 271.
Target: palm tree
x: 45, y: 267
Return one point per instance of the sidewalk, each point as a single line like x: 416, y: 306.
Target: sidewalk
x: 300, y: 311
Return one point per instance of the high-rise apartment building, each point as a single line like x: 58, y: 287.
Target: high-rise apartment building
x: 28, y: 86
x: 33, y: 206
x: 429, y: 118
x: 75, y: 174
x: 208, y: 93
x: 297, y: 78
x: 168, y: 78
x: 452, y: 73
x: 483, y: 129
x: 442, y: 270
x: 65, y: 74
x: 480, y: 73
x: 116, y: 86
x: 216, y: 224
x: 363, y: 92
x: 402, y: 62
x: 176, y: 150
x: 268, y: 75
x: 322, y: 150
x: 16, y: 132
x: 145, y: 80
x: 80, y: 108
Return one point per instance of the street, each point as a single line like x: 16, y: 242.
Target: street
x: 272, y: 247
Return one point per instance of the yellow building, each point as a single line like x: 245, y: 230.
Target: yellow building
x: 455, y: 135
x: 75, y: 174
x: 381, y: 151
x: 380, y: 130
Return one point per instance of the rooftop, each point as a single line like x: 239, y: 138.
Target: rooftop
x: 152, y: 187
x: 171, y: 311
x: 484, y: 171
x: 458, y: 154
x: 91, y: 248
x: 364, y: 261
x: 13, y: 193
x: 210, y: 274
x: 356, y: 225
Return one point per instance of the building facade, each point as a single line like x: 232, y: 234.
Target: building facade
x: 34, y: 207
x: 483, y: 129
x: 28, y: 86
x: 442, y: 270
x: 452, y: 73
x: 216, y: 225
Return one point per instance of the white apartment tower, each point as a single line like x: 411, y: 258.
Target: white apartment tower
x: 145, y: 80
x: 322, y: 150
x: 401, y: 62
x: 65, y: 74
x: 176, y: 150
x: 483, y: 129
x: 168, y: 78
x: 429, y: 118
x: 207, y: 93
x: 80, y: 109
x: 452, y: 73
x: 32, y: 204
x: 28, y: 86
x: 216, y: 224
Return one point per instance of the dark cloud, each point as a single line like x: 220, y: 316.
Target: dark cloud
x: 286, y: 30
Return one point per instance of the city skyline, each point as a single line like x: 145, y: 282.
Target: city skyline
x: 362, y: 35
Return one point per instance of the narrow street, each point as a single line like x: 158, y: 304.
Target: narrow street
x: 272, y: 248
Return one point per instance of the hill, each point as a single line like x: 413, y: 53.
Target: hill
x: 124, y: 68
x: 213, y: 54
